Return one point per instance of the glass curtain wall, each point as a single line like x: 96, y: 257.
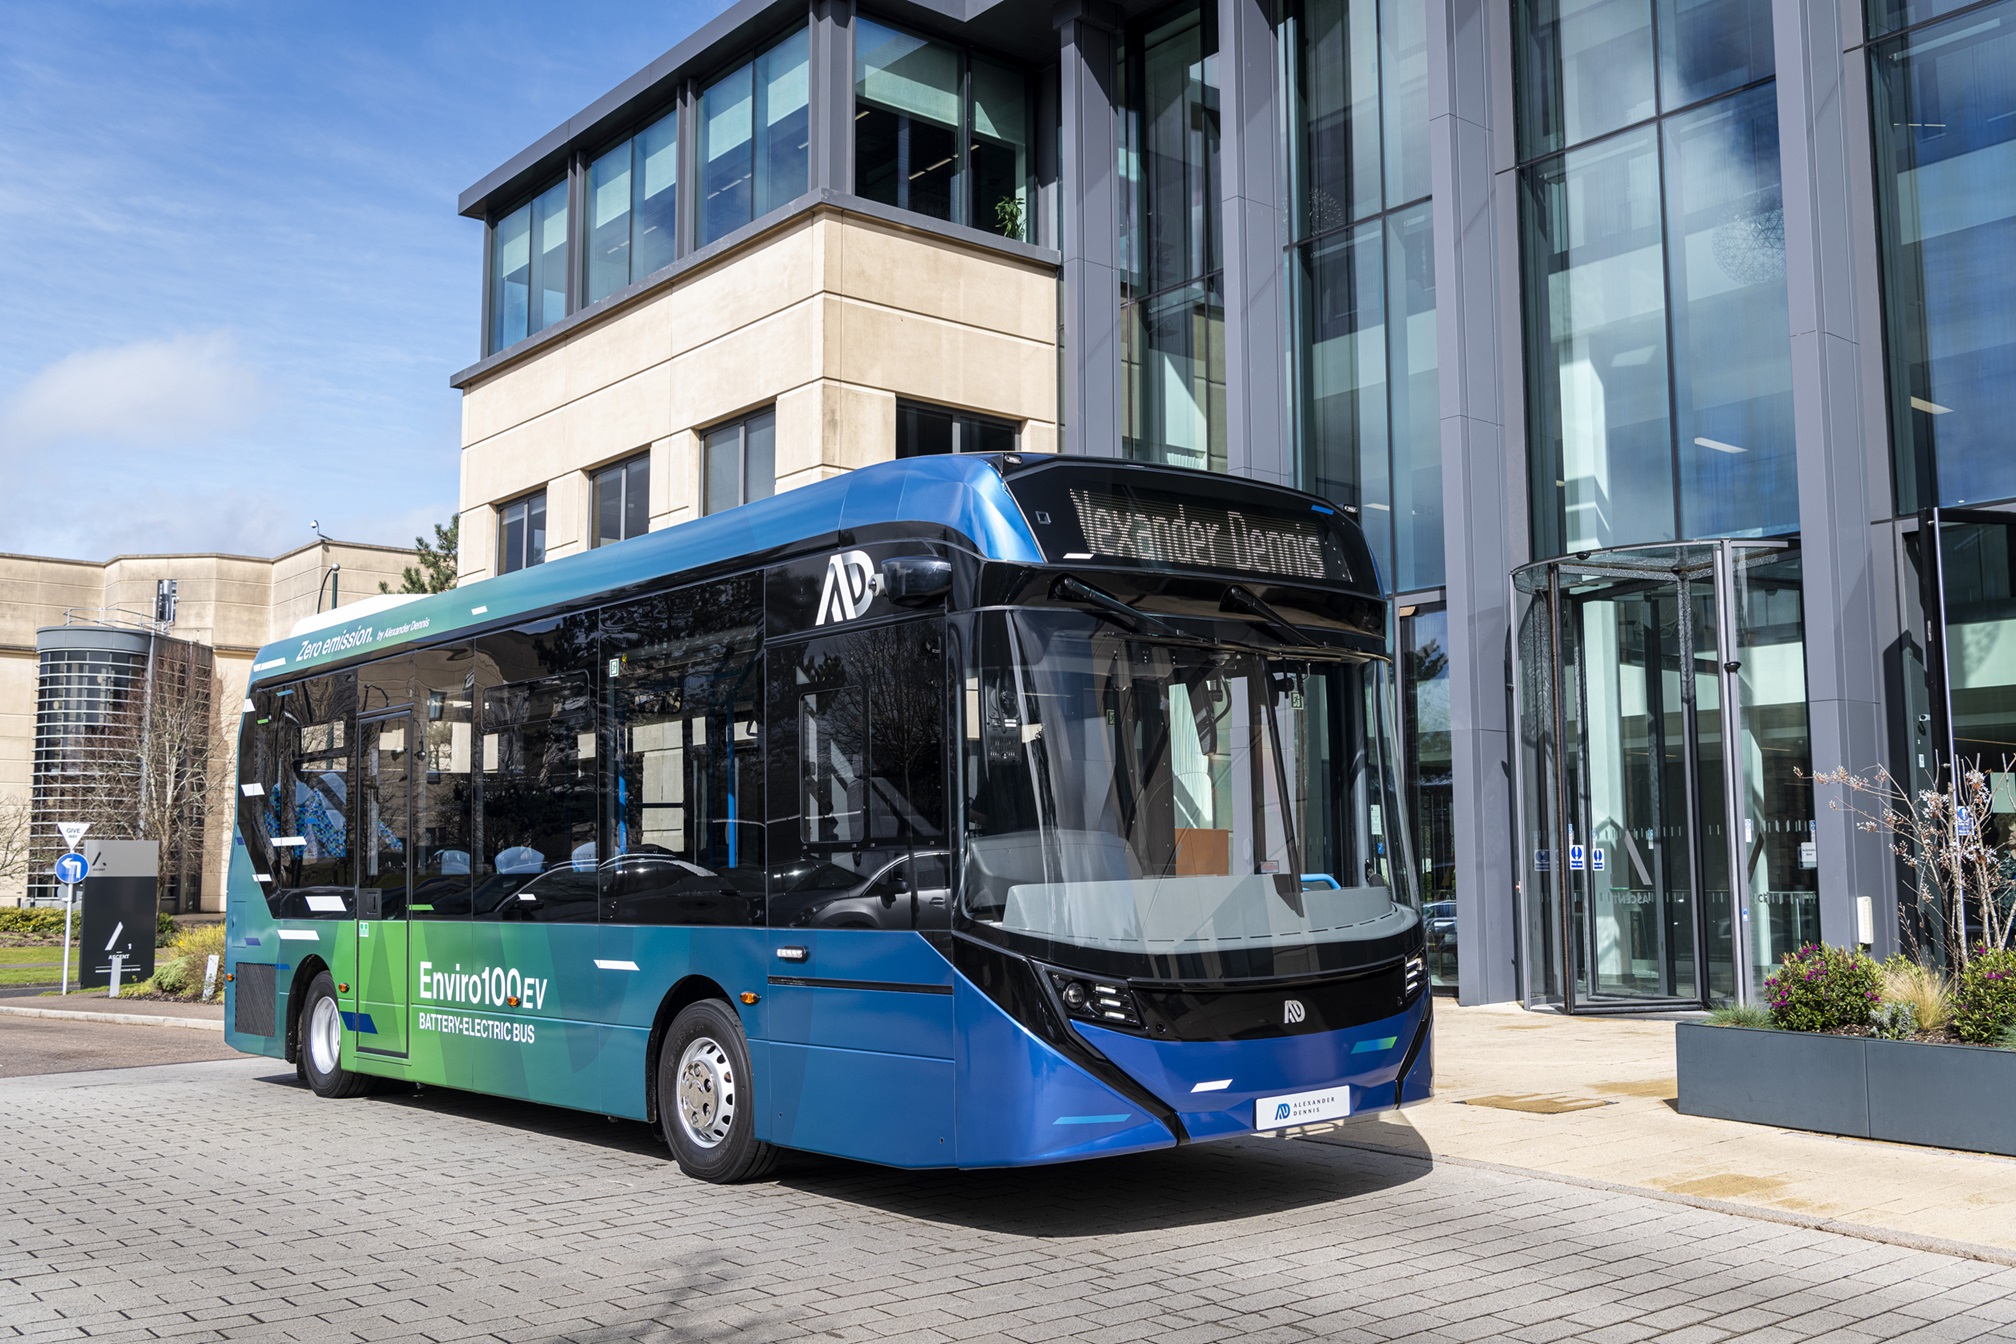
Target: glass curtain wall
x: 528, y: 268
x: 632, y: 208
x: 754, y: 138
x: 1430, y: 780
x: 1172, y: 288
x: 1944, y: 106
x: 1659, y: 348
x: 1363, y: 266
x: 939, y: 131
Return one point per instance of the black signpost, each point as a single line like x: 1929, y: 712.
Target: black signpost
x: 119, y: 912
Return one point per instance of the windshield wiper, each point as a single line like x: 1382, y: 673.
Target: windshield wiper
x: 1069, y: 589
x: 1238, y: 598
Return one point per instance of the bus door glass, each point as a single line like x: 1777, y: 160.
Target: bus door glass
x: 384, y: 829
x: 858, y: 849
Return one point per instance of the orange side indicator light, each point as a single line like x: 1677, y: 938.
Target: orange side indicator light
x: 750, y: 997
x: 342, y: 989
x: 510, y: 1003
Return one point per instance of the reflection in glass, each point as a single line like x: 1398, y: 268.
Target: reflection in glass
x: 622, y: 501
x: 1945, y: 116
x: 521, y: 531
x: 1172, y: 140
x: 655, y: 208
x: 998, y: 151
x: 1338, y: 122
x: 1708, y: 47
x: 741, y: 461
x: 906, y: 120
x: 609, y: 223
x: 1780, y: 863
x: 1427, y: 764
x: 528, y: 268
x: 753, y: 138
x: 1414, y: 391
x: 1344, y: 378
x: 1173, y: 353
x: 1732, y: 354
x: 1584, y: 67
x: 1403, y: 61
x: 1601, y: 444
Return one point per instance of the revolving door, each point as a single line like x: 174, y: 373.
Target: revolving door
x: 1660, y: 706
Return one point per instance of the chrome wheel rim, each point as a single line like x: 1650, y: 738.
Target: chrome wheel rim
x: 325, y: 1037
x: 707, y: 1092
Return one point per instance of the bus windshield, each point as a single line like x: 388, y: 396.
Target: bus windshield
x: 1233, y: 809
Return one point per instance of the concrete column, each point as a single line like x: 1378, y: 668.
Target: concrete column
x: 1089, y: 227
x: 1483, y: 476
x: 1251, y: 198
x: 1843, y: 457
x: 831, y: 95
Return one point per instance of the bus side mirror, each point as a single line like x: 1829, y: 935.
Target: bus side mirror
x: 909, y: 580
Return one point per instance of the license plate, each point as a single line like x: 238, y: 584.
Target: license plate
x: 1302, y: 1108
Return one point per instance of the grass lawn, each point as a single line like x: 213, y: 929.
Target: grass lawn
x: 35, y: 965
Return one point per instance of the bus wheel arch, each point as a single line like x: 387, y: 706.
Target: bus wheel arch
x: 297, y: 998
x: 692, y: 989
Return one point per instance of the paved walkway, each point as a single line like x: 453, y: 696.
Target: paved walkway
x: 1591, y: 1099
x: 95, y: 1003
x: 223, y: 1202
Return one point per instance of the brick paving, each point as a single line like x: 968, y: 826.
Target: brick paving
x: 219, y: 1201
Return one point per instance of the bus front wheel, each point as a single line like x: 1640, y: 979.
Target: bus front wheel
x: 322, y: 1044
x: 706, y: 1106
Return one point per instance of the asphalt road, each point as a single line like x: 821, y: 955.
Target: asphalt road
x: 37, y: 1045
x: 219, y: 1200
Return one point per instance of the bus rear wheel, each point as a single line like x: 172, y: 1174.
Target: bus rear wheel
x: 706, y: 1105
x: 322, y: 1044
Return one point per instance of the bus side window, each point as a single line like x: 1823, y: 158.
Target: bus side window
x: 444, y: 715
x: 301, y: 829
x: 535, y: 757
x: 683, y: 782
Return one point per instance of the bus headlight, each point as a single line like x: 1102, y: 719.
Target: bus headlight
x: 1107, y: 1002
x: 1417, y: 973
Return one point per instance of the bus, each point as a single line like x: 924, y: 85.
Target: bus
x: 961, y: 811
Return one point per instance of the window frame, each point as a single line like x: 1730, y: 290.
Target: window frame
x: 583, y: 165
x: 492, y: 281
x: 961, y: 419
x: 503, y: 523
x: 623, y: 468
x: 739, y: 423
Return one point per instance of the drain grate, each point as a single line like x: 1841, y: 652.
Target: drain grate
x: 1534, y: 1103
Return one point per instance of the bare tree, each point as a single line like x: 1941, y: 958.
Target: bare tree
x: 1961, y: 865
x: 14, y: 818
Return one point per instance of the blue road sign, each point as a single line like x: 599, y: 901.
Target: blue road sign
x: 72, y: 868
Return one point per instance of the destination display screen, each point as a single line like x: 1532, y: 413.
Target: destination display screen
x: 1134, y: 517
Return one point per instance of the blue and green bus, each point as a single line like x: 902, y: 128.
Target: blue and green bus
x: 962, y: 811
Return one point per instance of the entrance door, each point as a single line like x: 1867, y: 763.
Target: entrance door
x: 384, y: 828
x: 1636, y: 808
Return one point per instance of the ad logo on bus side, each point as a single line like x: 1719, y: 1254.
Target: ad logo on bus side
x: 851, y: 584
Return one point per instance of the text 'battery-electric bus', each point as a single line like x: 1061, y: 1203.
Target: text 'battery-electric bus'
x: 961, y: 811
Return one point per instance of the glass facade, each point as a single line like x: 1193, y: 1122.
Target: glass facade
x: 528, y: 268
x: 1944, y: 108
x: 1172, y: 288
x: 940, y: 132
x: 1363, y: 271
x: 1429, y: 781
x: 633, y: 209
x: 1659, y: 368
x: 755, y: 129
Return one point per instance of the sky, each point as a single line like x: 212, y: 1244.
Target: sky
x: 233, y: 284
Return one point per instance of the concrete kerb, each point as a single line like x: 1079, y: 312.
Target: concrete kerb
x: 125, y: 1019
x: 1962, y: 1250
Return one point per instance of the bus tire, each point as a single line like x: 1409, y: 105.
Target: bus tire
x: 322, y: 1044
x: 706, y: 1103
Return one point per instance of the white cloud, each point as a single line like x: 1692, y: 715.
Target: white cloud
x: 150, y: 392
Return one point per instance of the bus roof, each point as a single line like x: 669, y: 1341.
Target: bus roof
x: 963, y: 493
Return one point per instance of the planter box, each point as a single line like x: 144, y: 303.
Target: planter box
x: 1950, y: 1096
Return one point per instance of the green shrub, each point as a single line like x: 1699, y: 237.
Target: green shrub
x: 164, y: 929
x: 1742, y: 1015
x: 31, y: 920
x: 1894, y: 1021
x: 1984, y: 996
x: 1819, y: 988
x: 179, y: 970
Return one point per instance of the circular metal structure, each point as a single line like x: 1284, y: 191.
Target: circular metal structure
x: 707, y: 1092
x: 325, y: 1036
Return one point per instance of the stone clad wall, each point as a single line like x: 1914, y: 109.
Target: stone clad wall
x: 830, y: 317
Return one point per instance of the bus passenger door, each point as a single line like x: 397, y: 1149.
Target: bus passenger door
x: 859, y: 1024
x: 384, y: 827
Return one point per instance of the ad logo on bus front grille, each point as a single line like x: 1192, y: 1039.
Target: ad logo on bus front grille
x: 851, y: 582
x: 1292, y: 1012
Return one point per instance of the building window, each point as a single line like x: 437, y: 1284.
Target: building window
x: 521, y: 533
x: 528, y: 268
x: 623, y: 501
x: 922, y: 430
x: 1172, y: 291
x: 939, y: 131
x: 1363, y: 270
x: 1945, y: 118
x: 754, y: 138
x: 632, y: 207
x: 740, y: 461
x: 1658, y: 346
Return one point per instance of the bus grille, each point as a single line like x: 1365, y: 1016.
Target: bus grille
x: 253, y: 1004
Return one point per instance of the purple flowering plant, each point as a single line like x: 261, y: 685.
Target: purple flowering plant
x: 1984, y: 996
x: 1819, y: 988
